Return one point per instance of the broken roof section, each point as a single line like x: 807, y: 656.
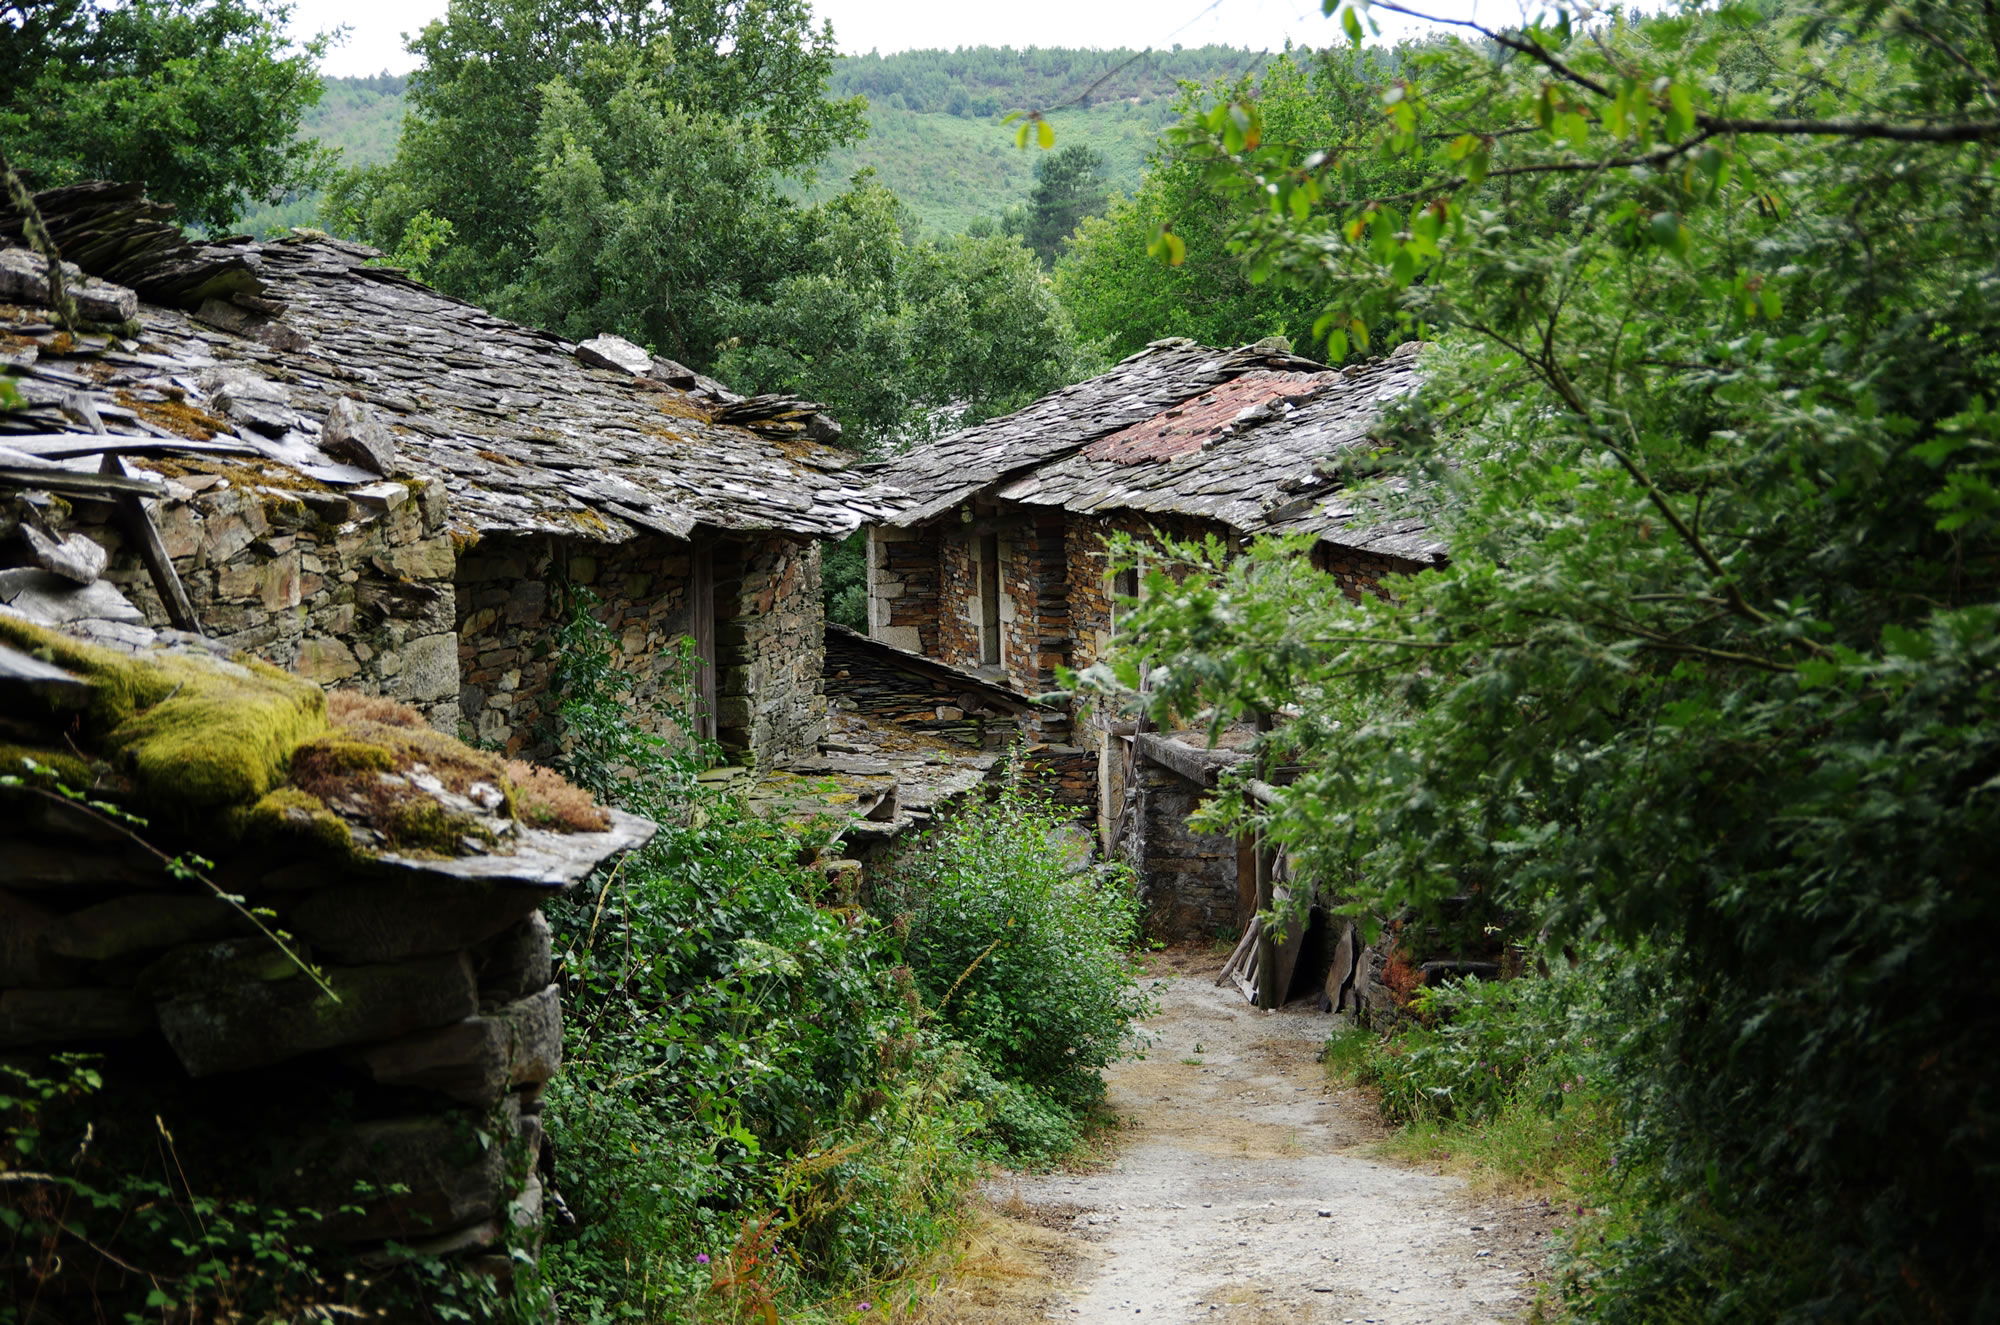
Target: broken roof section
x: 1256, y: 454
x: 939, y: 476
x: 1246, y: 437
x: 300, y: 351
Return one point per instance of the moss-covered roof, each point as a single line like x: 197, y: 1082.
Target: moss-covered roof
x: 253, y: 752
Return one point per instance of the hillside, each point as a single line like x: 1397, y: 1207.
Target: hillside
x: 360, y: 116
x: 934, y: 131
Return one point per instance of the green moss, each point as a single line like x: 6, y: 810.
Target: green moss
x: 72, y: 771
x: 289, y: 812
x: 194, y: 733
x: 220, y: 739
x: 338, y: 755
x: 421, y: 824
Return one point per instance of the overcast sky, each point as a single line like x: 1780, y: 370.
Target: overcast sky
x: 375, y: 40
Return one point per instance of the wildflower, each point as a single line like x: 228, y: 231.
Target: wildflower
x: 865, y: 1306
x: 701, y: 1258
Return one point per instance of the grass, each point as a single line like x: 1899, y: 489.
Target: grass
x: 1522, y: 1149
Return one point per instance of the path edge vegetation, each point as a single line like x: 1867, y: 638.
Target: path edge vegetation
x: 775, y: 1098
x: 1704, y: 700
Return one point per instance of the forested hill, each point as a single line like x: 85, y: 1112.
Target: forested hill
x: 934, y: 133
x: 360, y: 116
x: 981, y: 82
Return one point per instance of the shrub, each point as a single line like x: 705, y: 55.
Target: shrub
x: 1023, y: 957
x: 751, y: 1116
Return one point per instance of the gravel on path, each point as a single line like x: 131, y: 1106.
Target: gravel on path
x: 1239, y: 1192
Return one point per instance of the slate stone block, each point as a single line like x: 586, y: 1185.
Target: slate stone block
x: 515, y: 963
x: 452, y: 1179
x: 136, y: 923
x: 64, y: 1016
x: 249, y: 1025
x: 390, y: 921
x: 466, y: 1060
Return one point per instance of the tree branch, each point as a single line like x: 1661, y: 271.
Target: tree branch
x: 1973, y: 131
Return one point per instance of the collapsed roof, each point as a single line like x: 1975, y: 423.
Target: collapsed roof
x: 303, y: 353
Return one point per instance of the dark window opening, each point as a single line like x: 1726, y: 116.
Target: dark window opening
x: 989, y: 599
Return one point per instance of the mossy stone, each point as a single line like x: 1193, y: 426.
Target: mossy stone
x: 196, y: 733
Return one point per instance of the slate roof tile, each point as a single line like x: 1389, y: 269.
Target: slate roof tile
x: 1244, y: 437
x: 525, y: 434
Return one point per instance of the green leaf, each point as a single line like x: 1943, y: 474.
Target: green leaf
x: 1476, y: 166
x: 1350, y: 23
x: 1680, y: 101
x: 1045, y: 134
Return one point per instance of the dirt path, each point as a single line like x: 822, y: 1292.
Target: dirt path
x: 1237, y: 1195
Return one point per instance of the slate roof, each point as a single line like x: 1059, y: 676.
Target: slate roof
x: 532, y: 434
x: 1253, y: 454
x: 937, y: 477
x: 1242, y: 437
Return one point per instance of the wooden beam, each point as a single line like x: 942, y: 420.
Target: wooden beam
x: 1196, y: 765
x: 1268, y: 993
x: 1244, y: 947
x: 152, y: 551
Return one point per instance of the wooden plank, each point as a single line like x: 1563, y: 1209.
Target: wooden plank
x: 74, y: 483
x: 1244, y: 947
x: 153, y: 552
x: 1285, y: 956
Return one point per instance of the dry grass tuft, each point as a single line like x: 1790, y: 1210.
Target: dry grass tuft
x: 543, y: 799
x: 347, y: 706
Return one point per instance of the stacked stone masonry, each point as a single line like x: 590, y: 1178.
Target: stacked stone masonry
x: 1190, y: 882
x: 350, y: 588
x: 903, y: 588
x: 409, y: 1110
x: 766, y: 612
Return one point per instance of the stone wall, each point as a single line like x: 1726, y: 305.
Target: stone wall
x: 350, y: 588
x: 958, y: 602
x: 1033, y: 576
x: 768, y: 634
x: 903, y: 588
x: 409, y: 1110
x: 1360, y: 572
x: 1191, y: 883
x: 771, y: 656
x: 1088, y: 586
x: 511, y: 604
x: 865, y: 677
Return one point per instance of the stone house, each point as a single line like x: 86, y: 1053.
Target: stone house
x: 996, y: 560
x: 394, y: 491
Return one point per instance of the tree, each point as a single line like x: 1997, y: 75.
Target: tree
x: 483, y: 93
x: 1712, y: 676
x: 200, y: 100
x: 899, y: 336
x: 1119, y: 295
x: 1069, y: 186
